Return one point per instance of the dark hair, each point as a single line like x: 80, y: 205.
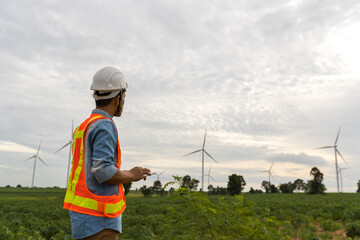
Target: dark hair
x: 105, y: 102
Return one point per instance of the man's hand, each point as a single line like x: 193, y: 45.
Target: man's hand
x: 139, y: 173
x: 127, y: 176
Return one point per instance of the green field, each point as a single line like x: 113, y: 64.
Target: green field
x: 38, y: 214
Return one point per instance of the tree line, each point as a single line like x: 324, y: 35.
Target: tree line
x: 236, y: 184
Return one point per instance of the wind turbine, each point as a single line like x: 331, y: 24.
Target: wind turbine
x: 158, y: 175
x: 336, y: 153
x: 35, y: 156
x: 269, y: 171
x: 209, y: 176
x: 340, y: 171
x: 203, y: 153
x: 70, y: 146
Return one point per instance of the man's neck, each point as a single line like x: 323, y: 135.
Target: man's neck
x: 110, y: 111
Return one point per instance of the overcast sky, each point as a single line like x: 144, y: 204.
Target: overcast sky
x: 269, y: 80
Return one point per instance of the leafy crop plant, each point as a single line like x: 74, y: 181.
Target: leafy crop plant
x: 194, y: 216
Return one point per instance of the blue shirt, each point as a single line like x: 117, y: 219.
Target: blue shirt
x: 101, y: 161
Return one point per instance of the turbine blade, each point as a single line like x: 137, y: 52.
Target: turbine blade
x: 340, y: 155
x: 39, y: 147
x: 204, y: 139
x: 271, y: 166
x: 264, y: 171
x: 42, y: 161
x: 161, y: 173
x: 210, y: 156
x: 272, y: 177
x: 212, y: 178
x: 192, y: 152
x: 337, y: 137
x: 29, y: 158
x: 324, y: 147
x: 63, y: 147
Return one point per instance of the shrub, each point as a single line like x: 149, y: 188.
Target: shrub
x: 352, y: 214
x: 146, y: 191
x: 330, y: 226
x: 353, y: 229
x: 217, y: 219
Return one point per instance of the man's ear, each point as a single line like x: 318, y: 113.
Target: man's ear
x: 117, y: 100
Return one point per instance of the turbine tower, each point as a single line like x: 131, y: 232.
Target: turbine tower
x: 340, y: 171
x: 35, y: 156
x: 269, y: 171
x: 209, y: 176
x: 70, y: 146
x: 336, y: 162
x: 203, y: 153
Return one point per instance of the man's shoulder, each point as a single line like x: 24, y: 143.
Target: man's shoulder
x: 101, y: 130
x: 103, y: 123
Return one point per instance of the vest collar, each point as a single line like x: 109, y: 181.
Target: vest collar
x: 101, y: 112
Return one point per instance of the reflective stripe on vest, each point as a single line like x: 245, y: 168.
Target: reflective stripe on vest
x: 78, y: 198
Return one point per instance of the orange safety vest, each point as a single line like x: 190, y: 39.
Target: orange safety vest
x: 78, y: 198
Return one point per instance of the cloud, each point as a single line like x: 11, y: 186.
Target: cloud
x: 14, y: 147
x: 267, y: 79
x: 301, y: 158
x: 12, y: 168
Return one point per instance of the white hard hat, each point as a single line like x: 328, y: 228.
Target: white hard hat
x: 107, y: 83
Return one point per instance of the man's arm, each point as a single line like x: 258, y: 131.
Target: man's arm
x: 104, y: 145
x: 126, y: 176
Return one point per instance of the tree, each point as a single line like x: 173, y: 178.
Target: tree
x: 315, y: 186
x: 127, y: 187
x: 253, y: 191
x: 194, y: 184
x: 217, y: 191
x: 266, y: 186
x: 157, y: 186
x: 269, y: 188
x: 220, y: 191
x: 318, y: 176
x: 186, y: 181
x: 171, y: 190
x: 189, y: 183
x: 211, y: 189
x: 299, y: 185
x: 146, y: 191
x: 358, y: 184
x: 287, y: 187
x: 235, y: 184
x: 274, y: 189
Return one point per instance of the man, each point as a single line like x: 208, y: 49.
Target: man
x: 95, y: 195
